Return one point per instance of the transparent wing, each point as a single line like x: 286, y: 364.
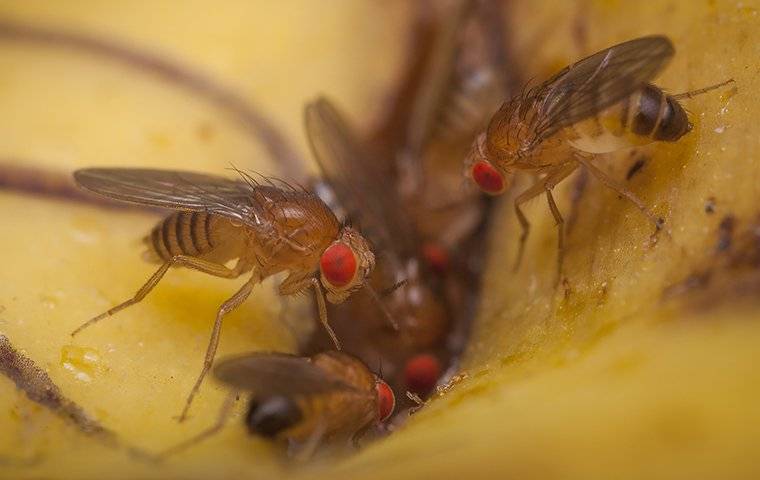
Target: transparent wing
x: 361, y: 189
x: 464, y: 78
x: 177, y: 190
x: 588, y: 86
x: 277, y: 374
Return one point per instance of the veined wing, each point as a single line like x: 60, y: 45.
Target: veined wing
x: 359, y: 188
x: 592, y: 84
x: 274, y: 373
x: 464, y: 77
x: 174, y: 189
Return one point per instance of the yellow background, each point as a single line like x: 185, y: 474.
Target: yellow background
x: 611, y: 381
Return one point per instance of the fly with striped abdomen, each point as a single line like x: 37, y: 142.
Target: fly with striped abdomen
x: 601, y: 104
x: 266, y: 227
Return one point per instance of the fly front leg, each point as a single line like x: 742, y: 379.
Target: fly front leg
x: 621, y: 190
x: 323, y: 312
x: 532, y: 192
x: 296, y: 283
x: 231, y: 304
x: 545, y: 185
x: 216, y: 269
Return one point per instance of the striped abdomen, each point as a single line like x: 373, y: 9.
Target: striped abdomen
x: 183, y: 233
x: 647, y: 115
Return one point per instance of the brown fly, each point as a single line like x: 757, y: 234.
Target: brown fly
x: 304, y: 401
x: 351, y: 173
x: 403, y: 186
x: 266, y: 228
x: 598, y: 105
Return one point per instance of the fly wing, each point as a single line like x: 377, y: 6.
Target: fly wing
x: 599, y: 81
x: 359, y: 186
x: 174, y: 189
x: 588, y: 86
x: 464, y: 78
x: 277, y: 374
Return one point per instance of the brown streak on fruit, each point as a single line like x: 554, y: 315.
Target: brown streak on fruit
x: 496, y: 17
x: 14, y: 176
x: 732, y: 274
x: 253, y: 121
x: 693, y: 281
x: 40, y: 389
x: 579, y: 28
x: 725, y: 233
x: 710, y: 205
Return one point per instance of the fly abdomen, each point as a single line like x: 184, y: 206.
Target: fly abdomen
x: 647, y: 115
x: 182, y: 233
x: 658, y: 116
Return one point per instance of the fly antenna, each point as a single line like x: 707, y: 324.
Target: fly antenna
x: 383, y: 307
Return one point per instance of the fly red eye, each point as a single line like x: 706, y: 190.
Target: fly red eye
x: 386, y: 400
x: 421, y: 373
x: 488, y: 178
x: 436, y: 257
x: 338, y: 264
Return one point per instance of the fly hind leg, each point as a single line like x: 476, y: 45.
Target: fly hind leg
x: 621, y: 190
x: 224, y: 415
x: 180, y: 260
x: 560, y: 232
x: 229, y: 305
x: 694, y: 93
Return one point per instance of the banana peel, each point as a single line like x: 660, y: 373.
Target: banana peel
x: 640, y: 363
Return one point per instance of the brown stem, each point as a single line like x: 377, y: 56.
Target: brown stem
x: 166, y: 70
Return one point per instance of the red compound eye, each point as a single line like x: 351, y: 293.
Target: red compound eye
x: 338, y: 264
x: 386, y: 400
x: 488, y: 178
x: 436, y: 257
x: 421, y: 373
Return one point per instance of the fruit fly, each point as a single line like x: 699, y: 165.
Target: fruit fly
x: 266, y: 228
x: 302, y: 400
x: 403, y: 186
x: 598, y: 105
x: 350, y: 173
x: 466, y: 74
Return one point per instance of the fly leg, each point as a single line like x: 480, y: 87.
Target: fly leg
x: 224, y: 415
x: 621, y: 190
x: 211, y: 268
x: 301, y: 282
x: 229, y: 305
x: 323, y: 312
x: 700, y: 91
x: 553, y: 177
x: 560, y: 232
x: 310, y: 445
